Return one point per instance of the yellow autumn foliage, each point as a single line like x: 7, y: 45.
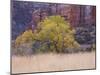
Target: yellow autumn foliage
x: 53, y: 29
x: 26, y: 37
x: 56, y: 29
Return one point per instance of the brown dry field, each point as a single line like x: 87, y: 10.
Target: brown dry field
x: 53, y: 62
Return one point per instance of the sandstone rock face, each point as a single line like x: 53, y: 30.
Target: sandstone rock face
x: 26, y: 15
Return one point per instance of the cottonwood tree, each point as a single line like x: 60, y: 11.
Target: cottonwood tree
x: 53, y: 32
x: 57, y: 32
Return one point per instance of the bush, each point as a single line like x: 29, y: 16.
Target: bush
x: 93, y: 47
x: 23, y: 49
x: 85, y: 35
x: 40, y: 47
x: 58, y: 32
x: 26, y: 37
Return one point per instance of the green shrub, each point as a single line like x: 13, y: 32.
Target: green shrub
x: 93, y: 47
x: 23, y: 49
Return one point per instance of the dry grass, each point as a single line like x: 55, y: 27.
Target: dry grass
x: 53, y: 62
